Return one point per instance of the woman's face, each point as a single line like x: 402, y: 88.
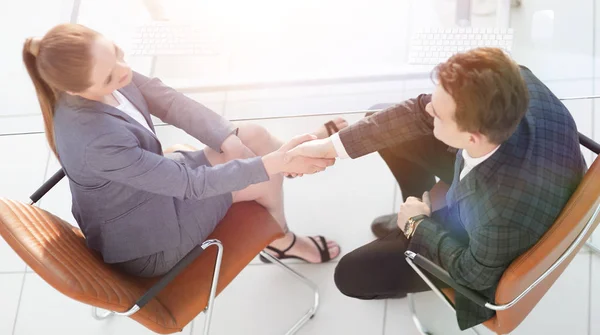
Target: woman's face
x: 110, y: 72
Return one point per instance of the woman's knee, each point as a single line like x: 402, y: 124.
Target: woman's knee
x: 252, y: 134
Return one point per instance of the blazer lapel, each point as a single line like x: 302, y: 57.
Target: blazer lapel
x: 460, y: 188
x: 137, y: 99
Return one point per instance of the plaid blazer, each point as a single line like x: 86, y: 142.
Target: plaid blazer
x: 499, y: 209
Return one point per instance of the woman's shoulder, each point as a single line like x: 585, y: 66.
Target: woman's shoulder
x: 81, y: 123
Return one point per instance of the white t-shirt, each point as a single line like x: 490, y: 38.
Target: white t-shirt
x: 128, y: 108
x: 469, y: 164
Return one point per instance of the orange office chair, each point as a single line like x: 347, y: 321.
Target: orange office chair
x: 57, y: 252
x: 532, y: 274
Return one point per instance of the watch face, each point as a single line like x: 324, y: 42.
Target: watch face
x: 408, y: 228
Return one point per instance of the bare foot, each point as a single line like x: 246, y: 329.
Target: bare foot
x: 339, y: 122
x: 304, y: 248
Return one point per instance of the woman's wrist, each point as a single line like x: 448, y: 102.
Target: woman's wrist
x: 273, y: 163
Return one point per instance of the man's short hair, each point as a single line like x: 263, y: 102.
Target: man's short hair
x: 491, y: 95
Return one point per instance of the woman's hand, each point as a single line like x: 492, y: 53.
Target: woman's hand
x: 322, y: 148
x: 278, y: 162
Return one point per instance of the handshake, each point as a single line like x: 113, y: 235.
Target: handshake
x: 304, y: 154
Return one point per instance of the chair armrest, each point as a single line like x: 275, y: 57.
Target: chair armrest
x: 47, y: 186
x: 443, y: 275
x: 589, y: 143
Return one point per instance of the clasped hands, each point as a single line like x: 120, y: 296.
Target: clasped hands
x: 304, y: 154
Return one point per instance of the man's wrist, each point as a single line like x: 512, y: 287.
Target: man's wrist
x: 412, y: 224
x: 417, y: 223
x: 338, y: 148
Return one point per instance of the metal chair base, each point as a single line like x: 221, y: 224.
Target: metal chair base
x: 313, y: 310
x: 418, y: 324
x: 209, y: 308
x: 107, y: 314
x: 413, y: 313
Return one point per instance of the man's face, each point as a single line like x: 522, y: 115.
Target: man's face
x: 443, y: 108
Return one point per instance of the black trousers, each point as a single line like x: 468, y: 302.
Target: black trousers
x: 379, y: 270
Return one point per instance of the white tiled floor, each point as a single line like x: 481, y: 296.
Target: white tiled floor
x: 595, y: 296
x: 272, y: 302
x: 10, y: 291
x: 45, y: 311
x: 21, y: 173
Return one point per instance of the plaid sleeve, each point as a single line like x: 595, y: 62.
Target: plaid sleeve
x: 392, y: 126
x: 478, y: 263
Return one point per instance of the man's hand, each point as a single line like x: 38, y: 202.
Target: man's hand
x: 412, y: 207
x: 278, y: 161
x: 316, y: 149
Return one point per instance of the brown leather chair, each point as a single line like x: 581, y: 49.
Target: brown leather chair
x: 57, y: 252
x: 532, y: 274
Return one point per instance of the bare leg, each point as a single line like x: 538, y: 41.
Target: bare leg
x: 270, y: 193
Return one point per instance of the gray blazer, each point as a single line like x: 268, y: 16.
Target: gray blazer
x: 126, y: 195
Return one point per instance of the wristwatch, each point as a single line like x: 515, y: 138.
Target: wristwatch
x: 411, y: 224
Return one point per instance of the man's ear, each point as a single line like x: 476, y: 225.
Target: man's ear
x: 476, y: 138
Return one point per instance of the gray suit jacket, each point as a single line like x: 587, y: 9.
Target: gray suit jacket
x: 127, y: 197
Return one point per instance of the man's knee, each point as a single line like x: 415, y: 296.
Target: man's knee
x: 346, y: 276
x: 380, y: 106
x: 343, y: 277
x: 377, y: 107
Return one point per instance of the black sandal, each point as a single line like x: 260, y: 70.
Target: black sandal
x: 325, y: 256
x: 331, y: 129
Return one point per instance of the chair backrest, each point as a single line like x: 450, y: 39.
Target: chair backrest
x: 531, y: 265
x: 57, y: 252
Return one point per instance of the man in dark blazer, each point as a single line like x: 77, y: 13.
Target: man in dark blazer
x: 510, y: 151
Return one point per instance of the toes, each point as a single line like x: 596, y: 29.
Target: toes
x: 334, y: 251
